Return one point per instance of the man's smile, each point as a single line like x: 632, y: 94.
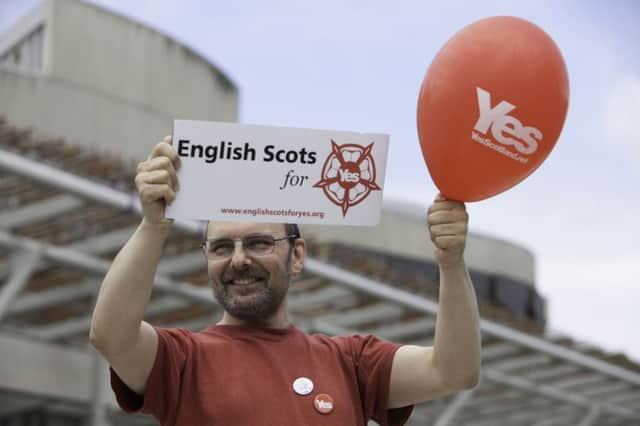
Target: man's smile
x: 245, y: 281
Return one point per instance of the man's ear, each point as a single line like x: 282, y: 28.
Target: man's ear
x: 298, y: 254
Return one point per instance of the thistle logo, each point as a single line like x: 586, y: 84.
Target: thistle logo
x: 348, y: 175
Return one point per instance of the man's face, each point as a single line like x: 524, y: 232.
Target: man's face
x: 252, y: 288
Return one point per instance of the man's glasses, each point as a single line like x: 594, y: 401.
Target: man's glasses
x: 253, y: 245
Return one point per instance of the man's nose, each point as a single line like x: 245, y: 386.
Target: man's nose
x: 239, y: 258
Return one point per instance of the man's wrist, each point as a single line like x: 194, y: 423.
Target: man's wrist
x: 160, y: 228
x: 452, y: 266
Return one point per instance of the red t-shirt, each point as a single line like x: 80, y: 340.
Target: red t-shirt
x: 237, y: 375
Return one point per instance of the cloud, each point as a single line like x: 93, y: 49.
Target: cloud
x: 594, y: 299
x: 622, y: 112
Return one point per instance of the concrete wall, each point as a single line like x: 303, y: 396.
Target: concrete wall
x: 51, y: 376
x: 402, y: 231
x: 109, y: 82
x: 54, y: 107
x: 49, y: 369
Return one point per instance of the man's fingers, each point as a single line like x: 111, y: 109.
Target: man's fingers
x: 448, y: 229
x: 162, y: 149
x: 448, y: 242
x: 150, y: 192
x: 448, y: 223
x: 165, y: 149
x: 447, y: 205
x: 447, y: 216
x: 156, y: 176
x: 158, y: 164
x: 162, y: 162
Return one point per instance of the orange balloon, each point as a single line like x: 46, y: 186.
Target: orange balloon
x: 491, y: 107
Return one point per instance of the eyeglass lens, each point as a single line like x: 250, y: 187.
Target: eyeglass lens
x: 254, y: 244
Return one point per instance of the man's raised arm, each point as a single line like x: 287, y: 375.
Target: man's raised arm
x: 118, y: 331
x: 453, y: 363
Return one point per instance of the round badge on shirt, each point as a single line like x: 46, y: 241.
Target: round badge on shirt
x: 303, y: 386
x: 323, y: 403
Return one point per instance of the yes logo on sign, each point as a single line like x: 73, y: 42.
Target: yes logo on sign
x: 348, y: 175
x: 525, y: 139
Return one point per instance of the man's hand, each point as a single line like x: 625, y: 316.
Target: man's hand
x: 448, y: 222
x: 157, y: 181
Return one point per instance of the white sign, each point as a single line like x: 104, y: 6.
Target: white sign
x: 276, y: 174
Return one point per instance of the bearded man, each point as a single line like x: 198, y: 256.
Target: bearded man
x: 254, y: 367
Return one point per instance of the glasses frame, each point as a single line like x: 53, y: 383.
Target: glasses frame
x: 203, y: 245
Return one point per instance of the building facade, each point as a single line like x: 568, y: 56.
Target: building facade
x: 72, y: 70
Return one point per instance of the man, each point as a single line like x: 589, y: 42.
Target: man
x: 254, y: 367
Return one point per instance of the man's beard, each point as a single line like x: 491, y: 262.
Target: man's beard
x: 258, y: 306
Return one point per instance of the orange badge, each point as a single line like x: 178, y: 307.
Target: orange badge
x: 323, y: 403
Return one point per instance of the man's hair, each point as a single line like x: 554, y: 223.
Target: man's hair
x: 290, y: 230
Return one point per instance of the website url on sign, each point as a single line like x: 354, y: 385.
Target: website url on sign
x: 270, y: 212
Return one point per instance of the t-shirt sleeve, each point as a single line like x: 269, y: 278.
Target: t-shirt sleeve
x: 163, y: 385
x: 374, y: 358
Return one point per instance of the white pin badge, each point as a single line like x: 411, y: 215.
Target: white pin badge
x: 303, y: 386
